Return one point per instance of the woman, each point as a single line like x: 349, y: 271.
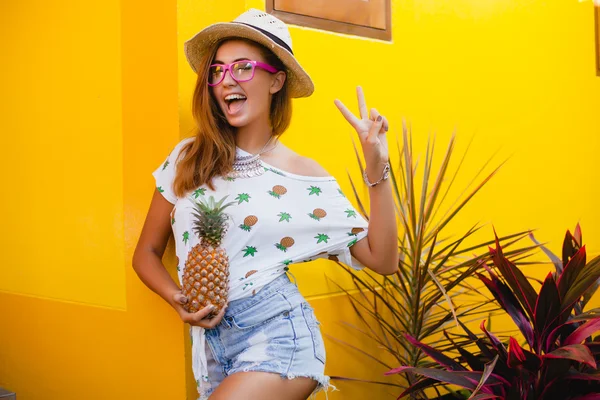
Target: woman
x: 283, y: 208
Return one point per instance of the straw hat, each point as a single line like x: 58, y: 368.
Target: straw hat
x: 259, y: 27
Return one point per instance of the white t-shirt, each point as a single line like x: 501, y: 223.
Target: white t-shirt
x: 277, y: 219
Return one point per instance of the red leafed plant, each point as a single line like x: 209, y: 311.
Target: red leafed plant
x: 560, y: 361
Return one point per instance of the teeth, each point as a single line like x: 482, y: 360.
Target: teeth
x: 235, y: 97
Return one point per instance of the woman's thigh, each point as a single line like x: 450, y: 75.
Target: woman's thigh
x: 263, y: 386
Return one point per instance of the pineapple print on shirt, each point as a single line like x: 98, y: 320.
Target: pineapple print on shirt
x: 278, y: 191
x: 314, y: 190
x: 317, y: 214
x: 243, y: 197
x: 250, y: 251
x: 249, y: 222
x: 321, y: 237
x: 285, y: 243
x: 283, y: 216
x: 355, y: 231
x: 350, y: 213
x: 248, y: 283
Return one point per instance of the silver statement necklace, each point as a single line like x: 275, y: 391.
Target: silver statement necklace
x: 250, y: 165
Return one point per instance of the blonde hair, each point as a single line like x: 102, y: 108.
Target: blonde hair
x: 212, y: 152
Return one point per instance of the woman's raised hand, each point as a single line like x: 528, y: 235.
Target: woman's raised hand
x: 198, y: 318
x: 371, y: 128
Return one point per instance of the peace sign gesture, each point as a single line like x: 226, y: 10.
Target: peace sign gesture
x: 371, y: 131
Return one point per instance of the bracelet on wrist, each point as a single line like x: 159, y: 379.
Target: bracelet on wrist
x: 384, y: 176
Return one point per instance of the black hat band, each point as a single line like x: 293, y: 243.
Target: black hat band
x: 270, y: 36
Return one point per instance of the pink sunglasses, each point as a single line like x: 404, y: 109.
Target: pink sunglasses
x: 240, y: 71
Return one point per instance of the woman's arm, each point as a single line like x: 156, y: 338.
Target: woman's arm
x: 379, y: 251
x: 147, y: 257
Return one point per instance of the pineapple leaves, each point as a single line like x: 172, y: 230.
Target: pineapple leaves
x: 210, y: 220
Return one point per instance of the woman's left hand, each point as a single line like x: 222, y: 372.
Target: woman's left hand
x: 371, y: 128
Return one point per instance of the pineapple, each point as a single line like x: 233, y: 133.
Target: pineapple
x: 285, y: 243
x: 278, y: 191
x: 249, y: 222
x: 317, y: 214
x: 206, y: 274
x: 355, y: 231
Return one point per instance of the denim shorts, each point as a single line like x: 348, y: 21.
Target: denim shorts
x: 273, y: 331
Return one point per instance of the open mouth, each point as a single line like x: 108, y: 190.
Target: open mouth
x: 235, y: 102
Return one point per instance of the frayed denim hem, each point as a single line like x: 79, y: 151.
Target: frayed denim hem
x: 323, y: 384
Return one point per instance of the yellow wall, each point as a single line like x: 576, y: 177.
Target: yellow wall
x: 95, y: 93
x: 86, y: 116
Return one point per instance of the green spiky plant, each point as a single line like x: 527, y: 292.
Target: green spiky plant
x: 432, y: 288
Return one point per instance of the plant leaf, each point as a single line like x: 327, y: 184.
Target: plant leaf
x: 441, y: 358
x: 582, y: 376
x: 558, y: 265
x: 575, y: 352
x: 583, y: 332
x: 586, y: 316
x: 418, y: 386
x: 587, y: 295
x: 344, y: 378
x: 547, y: 310
x: 572, y: 269
x: 589, y: 396
x: 485, y: 396
x: 577, y: 234
x: 570, y: 247
x: 487, y: 371
x: 448, y: 299
x: 517, y: 356
x: 587, y: 278
x: 515, y: 279
x: 496, y: 344
x: 466, y: 379
x: 510, y: 304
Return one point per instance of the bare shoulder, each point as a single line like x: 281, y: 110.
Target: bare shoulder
x: 301, y: 165
x: 310, y: 167
x: 288, y: 160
